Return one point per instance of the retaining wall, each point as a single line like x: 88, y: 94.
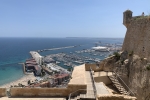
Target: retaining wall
x: 115, y: 97
x: 2, y: 92
x: 45, y: 92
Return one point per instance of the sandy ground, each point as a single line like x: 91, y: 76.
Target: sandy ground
x: 23, y: 81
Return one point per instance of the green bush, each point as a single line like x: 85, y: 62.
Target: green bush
x: 122, y: 61
x: 131, y: 53
x: 142, y: 58
x: 109, y: 55
x: 117, y: 55
x: 148, y: 67
x: 69, y: 69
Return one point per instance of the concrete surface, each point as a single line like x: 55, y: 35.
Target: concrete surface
x: 78, y: 75
x: 101, y: 89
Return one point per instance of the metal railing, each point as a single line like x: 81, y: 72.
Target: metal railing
x: 75, y: 93
x: 93, y: 83
x: 129, y: 90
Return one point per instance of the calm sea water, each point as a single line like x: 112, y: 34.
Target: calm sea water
x: 16, y: 50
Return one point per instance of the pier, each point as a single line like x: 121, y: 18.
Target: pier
x: 36, y: 56
x: 57, y: 48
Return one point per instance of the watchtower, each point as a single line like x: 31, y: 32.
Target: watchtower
x: 127, y: 15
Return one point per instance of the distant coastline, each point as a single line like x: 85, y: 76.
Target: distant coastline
x: 96, y: 37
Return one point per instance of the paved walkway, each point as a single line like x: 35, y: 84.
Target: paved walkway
x: 78, y: 75
x: 101, y: 89
x: 90, y: 92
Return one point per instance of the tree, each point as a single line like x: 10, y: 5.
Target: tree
x: 29, y: 82
x: 69, y: 69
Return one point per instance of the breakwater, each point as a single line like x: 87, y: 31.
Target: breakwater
x: 58, y: 48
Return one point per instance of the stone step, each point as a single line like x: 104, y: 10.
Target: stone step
x: 118, y: 85
x: 90, y: 92
x: 84, y: 96
x: 116, y: 82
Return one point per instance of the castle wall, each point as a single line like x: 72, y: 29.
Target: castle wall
x: 45, y: 92
x: 106, y: 65
x: 2, y: 92
x: 115, y: 97
x: 137, y: 37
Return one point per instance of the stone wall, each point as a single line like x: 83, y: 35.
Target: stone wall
x: 137, y: 40
x: 106, y: 65
x: 95, y: 67
x: 137, y: 37
x: 115, y: 97
x: 2, y: 92
x: 45, y: 92
x: 103, y: 79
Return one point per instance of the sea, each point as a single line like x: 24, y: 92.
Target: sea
x: 15, y: 50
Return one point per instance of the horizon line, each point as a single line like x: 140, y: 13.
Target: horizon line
x: 61, y: 37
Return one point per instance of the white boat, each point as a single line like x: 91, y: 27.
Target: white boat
x: 100, y: 48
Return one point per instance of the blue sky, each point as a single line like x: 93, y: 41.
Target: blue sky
x: 67, y: 18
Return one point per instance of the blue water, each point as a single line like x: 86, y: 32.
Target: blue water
x: 16, y: 50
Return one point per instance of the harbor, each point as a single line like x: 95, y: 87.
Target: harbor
x: 54, y: 70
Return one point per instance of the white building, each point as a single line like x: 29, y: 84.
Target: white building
x: 38, y: 58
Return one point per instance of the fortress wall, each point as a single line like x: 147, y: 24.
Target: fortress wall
x: 2, y: 92
x: 106, y: 65
x: 45, y: 92
x: 137, y: 37
x: 38, y: 92
x: 94, y: 67
x: 103, y: 79
x: 75, y: 87
x: 115, y: 97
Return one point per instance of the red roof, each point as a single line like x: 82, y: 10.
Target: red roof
x: 61, y: 75
x: 30, y: 62
x: 31, y: 59
x: 30, y: 65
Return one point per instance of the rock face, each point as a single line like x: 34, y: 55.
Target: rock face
x: 134, y: 71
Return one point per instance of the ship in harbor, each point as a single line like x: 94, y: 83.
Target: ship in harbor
x: 101, y: 48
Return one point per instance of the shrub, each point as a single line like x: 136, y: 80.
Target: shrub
x: 131, y: 53
x: 142, y: 58
x: 122, y: 61
x: 69, y: 69
x: 148, y: 67
x: 117, y: 55
x: 109, y: 55
x: 29, y: 82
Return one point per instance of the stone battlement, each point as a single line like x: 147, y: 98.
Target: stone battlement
x: 137, y: 37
